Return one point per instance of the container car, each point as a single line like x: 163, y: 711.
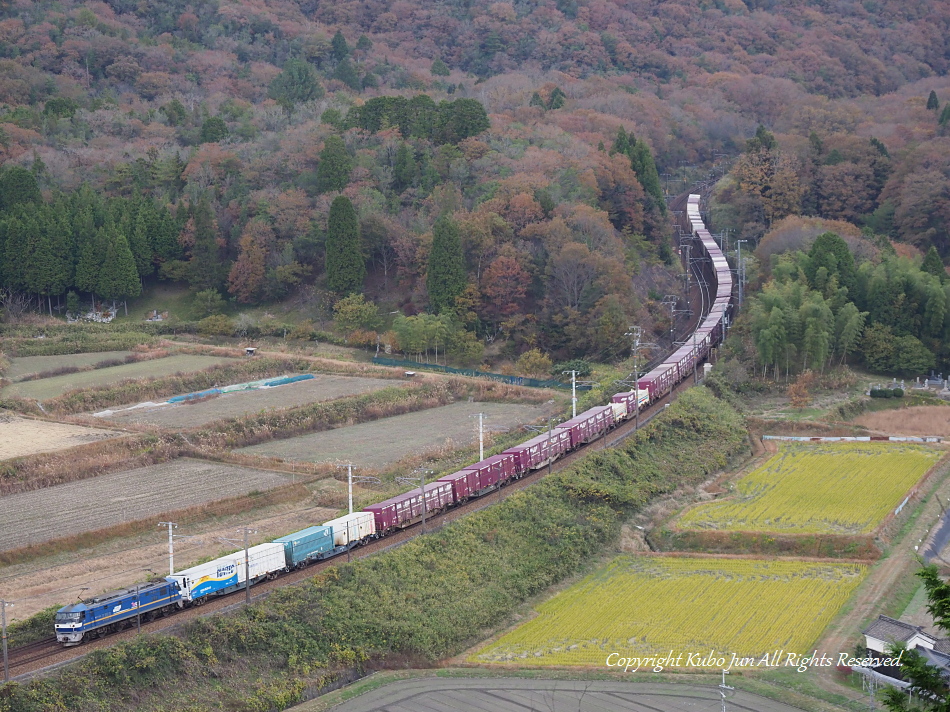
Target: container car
x: 589, y: 425
x: 110, y: 612
x: 539, y: 451
x: 632, y: 401
x: 226, y: 574
x: 482, y: 477
x: 353, y: 529
x: 405, y: 509
x: 306, y: 546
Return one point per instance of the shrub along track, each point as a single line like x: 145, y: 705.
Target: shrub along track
x: 41, y: 655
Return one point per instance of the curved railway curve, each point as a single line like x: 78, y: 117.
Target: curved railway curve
x: 667, y: 375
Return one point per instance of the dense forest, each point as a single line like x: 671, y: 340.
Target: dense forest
x: 502, y: 165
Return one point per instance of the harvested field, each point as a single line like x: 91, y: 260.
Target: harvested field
x: 385, y: 441
x: 235, y: 405
x: 649, y: 606
x: 22, y: 436
x: 33, y: 517
x: 28, y: 365
x: 916, y: 420
x: 56, y: 386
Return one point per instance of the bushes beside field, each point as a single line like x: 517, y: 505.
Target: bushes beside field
x: 425, y: 600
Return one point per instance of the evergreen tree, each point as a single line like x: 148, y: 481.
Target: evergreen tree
x: 440, y: 68
x: 346, y: 73
x: 346, y: 268
x: 213, y: 130
x: 537, y: 101
x: 621, y: 143
x: 641, y: 160
x: 364, y: 43
x: 339, y: 46
x: 557, y: 98
x: 933, y: 103
x: 445, y: 279
x: 206, y: 269
x: 934, y: 265
x: 118, y: 277
x: 296, y: 84
x: 333, y: 173
x: 91, y: 256
x: 18, y: 185
x: 405, y: 169
x: 138, y: 242
x: 945, y: 115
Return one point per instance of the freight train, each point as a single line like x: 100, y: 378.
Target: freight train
x: 105, y: 614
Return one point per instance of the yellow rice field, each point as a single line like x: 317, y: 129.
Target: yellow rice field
x: 835, y: 488
x: 654, y: 606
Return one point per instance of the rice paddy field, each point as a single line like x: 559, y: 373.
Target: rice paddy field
x: 25, y: 436
x: 46, y: 388
x: 833, y: 488
x: 646, y: 606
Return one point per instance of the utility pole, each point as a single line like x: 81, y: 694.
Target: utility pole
x: 636, y: 334
x: 573, y: 391
x: 359, y: 479
x: 722, y: 689
x: 247, y: 562
x: 3, y: 628
x: 481, y: 435
x: 171, y: 545
x: 421, y: 479
x: 740, y: 269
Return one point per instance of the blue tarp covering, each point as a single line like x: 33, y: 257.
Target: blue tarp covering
x: 192, y: 396
x: 288, y: 379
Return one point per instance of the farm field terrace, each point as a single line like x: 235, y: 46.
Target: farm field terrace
x: 28, y: 365
x: 642, y: 606
x: 97, y: 502
x: 387, y: 440
x: 832, y: 488
x: 240, y: 403
x: 24, y: 436
x: 46, y: 388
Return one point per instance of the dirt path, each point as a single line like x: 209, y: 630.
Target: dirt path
x: 870, y: 599
x: 43, y: 583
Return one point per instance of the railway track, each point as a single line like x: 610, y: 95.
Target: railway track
x: 27, y: 660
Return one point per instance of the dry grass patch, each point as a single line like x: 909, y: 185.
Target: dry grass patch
x: 917, y: 420
x: 24, y: 436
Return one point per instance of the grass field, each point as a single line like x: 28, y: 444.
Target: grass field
x: 28, y: 365
x: 382, y: 442
x: 98, y: 502
x: 22, y: 436
x: 836, y: 488
x: 234, y: 405
x: 57, y: 385
x: 643, y: 606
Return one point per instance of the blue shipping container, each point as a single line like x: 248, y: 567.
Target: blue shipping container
x: 307, y: 545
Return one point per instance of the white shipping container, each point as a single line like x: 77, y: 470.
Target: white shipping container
x: 620, y: 411
x: 262, y: 560
x: 207, y: 578
x: 352, y: 527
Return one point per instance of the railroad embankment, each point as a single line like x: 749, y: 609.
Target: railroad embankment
x: 430, y: 598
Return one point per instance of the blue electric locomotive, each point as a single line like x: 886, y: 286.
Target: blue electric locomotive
x: 108, y: 613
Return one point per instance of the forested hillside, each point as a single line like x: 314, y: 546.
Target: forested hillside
x: 503, y: 164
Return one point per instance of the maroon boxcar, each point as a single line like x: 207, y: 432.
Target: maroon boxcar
x: 404, y: 509
x: 538, y: 451
x: 589, y: 425
x: 482, y: 476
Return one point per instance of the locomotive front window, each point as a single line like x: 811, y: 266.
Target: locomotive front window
x: 69, y: 617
